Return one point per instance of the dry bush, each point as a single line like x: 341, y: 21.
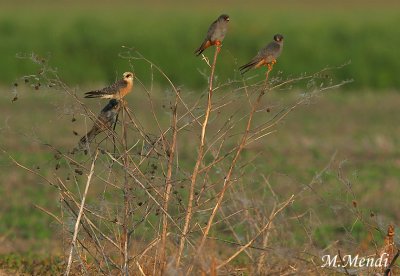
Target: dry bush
x: 176, y: 193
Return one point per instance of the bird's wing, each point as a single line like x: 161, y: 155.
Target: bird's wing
x: 211, y: 29
x: 115, y: 87
x: 207, y: 40
x: 270, y: 51
x: 109, y: 90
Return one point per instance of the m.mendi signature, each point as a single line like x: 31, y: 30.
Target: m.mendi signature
x: 354, y: 261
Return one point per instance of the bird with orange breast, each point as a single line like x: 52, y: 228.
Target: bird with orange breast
x: 117, y: 90
x: 266, y: 56
x: 215, y: 34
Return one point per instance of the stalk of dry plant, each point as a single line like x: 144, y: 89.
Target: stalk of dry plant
x: 189, y: 211
x: 229, y: 173
x: 125, y: 238
x: 78, y: 219
x: 168, y: 187
x: 230, y: 170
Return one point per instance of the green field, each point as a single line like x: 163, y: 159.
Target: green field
x: 84, y: 43
x: 336, y: 150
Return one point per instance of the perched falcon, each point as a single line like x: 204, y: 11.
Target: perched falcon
x: 105, y: 120
x: 215, y: 33
x: 117, y: 90
x: 266, y: 56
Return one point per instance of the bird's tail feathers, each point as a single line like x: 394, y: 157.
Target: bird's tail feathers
x: 244, y: 68
x: 206, y: 43
x: 199, y: 51
x: 84, y: 142
x: 93, y: 94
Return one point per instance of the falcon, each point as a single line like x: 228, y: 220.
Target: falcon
x: 266, y: 56
x: 215, y: 34
x: 117, y: 90
x: 105, y: 121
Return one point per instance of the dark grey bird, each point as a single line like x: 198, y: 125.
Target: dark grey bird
x: 105, y: 121
x: 215, y: 34
x: 266, y: 56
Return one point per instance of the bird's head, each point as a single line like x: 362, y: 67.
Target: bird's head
x: 278, y: 38
x: 128, y: 76
x: 224, y: 17
x: 113, y: 103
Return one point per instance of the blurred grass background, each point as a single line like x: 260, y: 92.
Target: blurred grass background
x: 82, y: 39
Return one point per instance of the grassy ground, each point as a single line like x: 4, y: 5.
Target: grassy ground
x: 84, y: 43
x: 360, y: 128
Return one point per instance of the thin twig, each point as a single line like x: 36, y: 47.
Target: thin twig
x: 284, y: 205
x: 342, y: 263
x: 168, y: 186
x: 49, y: 213
x: 125, y: 224
x: 387, y: 271
x: 78, y: 219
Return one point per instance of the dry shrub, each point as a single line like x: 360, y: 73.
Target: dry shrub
x: 175, y: 192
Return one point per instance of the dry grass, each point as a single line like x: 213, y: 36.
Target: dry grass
x: 177, y: 193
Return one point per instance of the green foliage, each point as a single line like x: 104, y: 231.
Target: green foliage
x: 85, y: 46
